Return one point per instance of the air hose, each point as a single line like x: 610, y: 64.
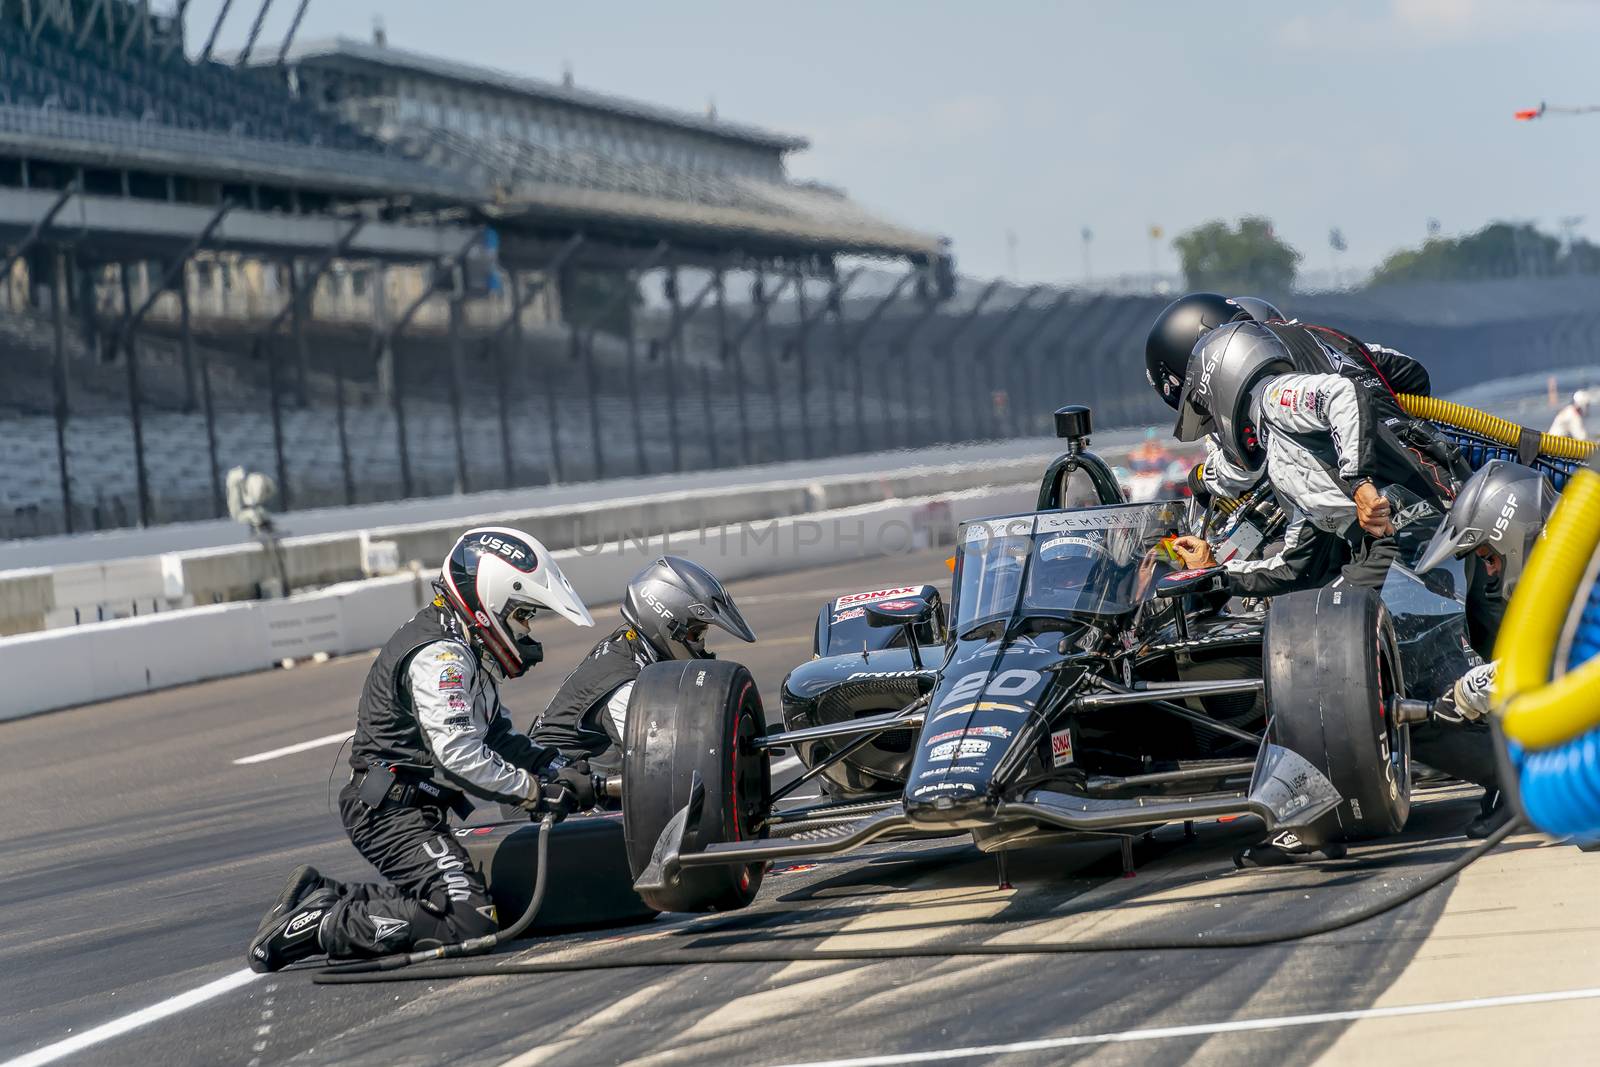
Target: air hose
x: 1502, y: 431
x: 1202, y: 941
x: 474, y: 947
x: 1548, y: 684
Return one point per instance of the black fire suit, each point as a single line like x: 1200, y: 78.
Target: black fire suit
x: 430, y: 730
x: 586, y: 717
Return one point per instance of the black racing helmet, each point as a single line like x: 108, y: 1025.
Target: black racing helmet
x: 1260, y: 310
x: 1173, y: 337
x: 1219, y: 387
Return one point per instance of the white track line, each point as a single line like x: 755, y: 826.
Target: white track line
x: 1162, y: 1033
x: 142, y: 1017
x: 288, y: 750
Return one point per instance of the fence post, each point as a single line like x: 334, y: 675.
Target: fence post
x: 219, y: 503
x: 723, y: 357
x: 807, y: 320
x: 513, y: 322
x: 982, y: 356
x: 1019, y: 358
x: 946, y: 351
x: 761, y: 321
x: 130, y: 353
x: 463, y: 481
x: 665, y: 348
x: 860, y: 359
x: 58, y: 376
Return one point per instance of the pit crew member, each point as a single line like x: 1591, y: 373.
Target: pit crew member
x: 666, y: 611
x: 430, y: 732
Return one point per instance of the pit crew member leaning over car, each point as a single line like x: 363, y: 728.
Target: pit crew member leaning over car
x: 1497, y: 518
x: 1381, y: 372
x: 431, y: 731
x: 1324, y: 454
x: 666, y: 611
x: 1323, y: 445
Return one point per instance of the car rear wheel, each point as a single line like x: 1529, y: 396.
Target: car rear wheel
x: 1331, y: 665
x: 684, y: 717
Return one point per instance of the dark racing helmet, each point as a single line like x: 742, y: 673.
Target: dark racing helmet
x: 1501, y: 509
x: 1220, y: 384
x: 1173, y: 337
x: 495, y: 580
x: 673, y: 601
x: 1260, y: 310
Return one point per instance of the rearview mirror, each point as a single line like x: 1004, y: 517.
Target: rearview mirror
x: 909, y: 611
x: 1182, y: 583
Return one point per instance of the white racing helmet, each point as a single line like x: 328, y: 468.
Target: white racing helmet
x: 496, y: 579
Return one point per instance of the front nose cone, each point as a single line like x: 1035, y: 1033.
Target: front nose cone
x: 936, y: 807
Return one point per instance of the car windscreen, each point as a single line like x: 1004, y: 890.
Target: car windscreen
x: 1089, y: 561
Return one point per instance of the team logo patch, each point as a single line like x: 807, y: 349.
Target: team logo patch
x: 452, y: 677
x: 384, y: 928
x: 1061, y: 748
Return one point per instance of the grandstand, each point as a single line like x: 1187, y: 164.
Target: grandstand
x: 309, y: 257
x: 374, y: 274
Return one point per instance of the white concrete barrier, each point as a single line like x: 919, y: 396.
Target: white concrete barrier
x: 89, y: 592
x: 100, y: 661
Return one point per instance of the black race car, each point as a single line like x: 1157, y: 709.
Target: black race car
x: 1080, y: 682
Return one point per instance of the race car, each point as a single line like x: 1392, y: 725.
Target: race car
x: 1080, y: 682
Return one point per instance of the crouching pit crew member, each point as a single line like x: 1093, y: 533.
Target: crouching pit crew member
x: 1498, y: 518
x: 430, y: 732
x: 666, y: 612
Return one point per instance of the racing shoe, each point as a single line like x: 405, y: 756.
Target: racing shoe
x: 295, y: 936
x: 1284, y: 848
x: 1493, y: 813
x: 303, y: 881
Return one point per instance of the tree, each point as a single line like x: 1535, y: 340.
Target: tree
x: 1249, y: 258
x: 1499, y: 250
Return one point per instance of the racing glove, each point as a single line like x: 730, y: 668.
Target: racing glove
x: 1468, y: 700
x: 569, y: 788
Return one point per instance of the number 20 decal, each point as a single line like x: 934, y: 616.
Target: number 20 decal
x: 1010, y: 683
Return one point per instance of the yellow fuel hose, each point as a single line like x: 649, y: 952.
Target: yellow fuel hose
x: 1539, y: 709
x: 1493, y: 427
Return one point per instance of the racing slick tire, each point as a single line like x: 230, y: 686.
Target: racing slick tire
x: 686, y: 716
x: 1331, y: 664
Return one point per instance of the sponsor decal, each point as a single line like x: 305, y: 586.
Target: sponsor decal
x: 514, y: 552
x: 875, y: 594
x: 458, y: 702
x: 797, y: 868
x: 655, y: 605
x: 970, y: 731
x: 301, y: 925
x: 1061, y: 748
x: 474, y: 831
x: 1058, y: 543
x: 444, y: 859
x: 898, y: 605
x: 1109, y: 518
x: 1507, y: 513
x: 1182, y: 576
x: 943, y: 787
x: 979, y: 705
x: 963, y: 749
x: 488, y: 912
x: 1286, y: 397
x: 452, y: 677
x: 852, y: 613
x: 939, y: 772
x: 853, y: 675
x: 444, y: 655
x: 384, y: 928
x: 458, y: 722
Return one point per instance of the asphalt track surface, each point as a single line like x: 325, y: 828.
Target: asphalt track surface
x: 138, y: 857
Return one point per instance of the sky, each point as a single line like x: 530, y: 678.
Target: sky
x: 975, y: 120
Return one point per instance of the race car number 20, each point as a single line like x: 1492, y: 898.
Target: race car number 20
x: 1010, y: 683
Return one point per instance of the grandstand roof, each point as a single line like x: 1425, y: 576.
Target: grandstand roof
x: 487, y: 77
